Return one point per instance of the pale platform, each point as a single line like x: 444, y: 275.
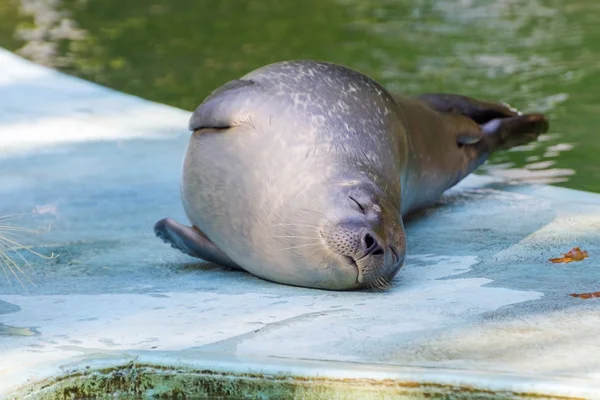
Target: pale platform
x: 478, y: 311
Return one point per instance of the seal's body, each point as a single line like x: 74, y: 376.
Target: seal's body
x: 300, y: 171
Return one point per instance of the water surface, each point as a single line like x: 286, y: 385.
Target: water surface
x: 535, y: 55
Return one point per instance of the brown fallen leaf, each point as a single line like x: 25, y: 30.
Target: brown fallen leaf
x: 585, y: 295
x: 574, y: 255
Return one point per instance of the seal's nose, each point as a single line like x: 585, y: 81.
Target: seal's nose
x: 370, y: 245
x: 354, y: 241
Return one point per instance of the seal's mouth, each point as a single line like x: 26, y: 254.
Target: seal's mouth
x: 346, y: 260
x: 350, y: 262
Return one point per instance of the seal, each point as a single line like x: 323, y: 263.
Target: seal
x: 300, y: 172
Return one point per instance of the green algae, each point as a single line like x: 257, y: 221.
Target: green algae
x: 133, y: 381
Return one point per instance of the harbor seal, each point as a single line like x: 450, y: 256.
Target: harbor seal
x: 300, y: 172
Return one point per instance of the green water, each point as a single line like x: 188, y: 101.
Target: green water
x: 536, y: 55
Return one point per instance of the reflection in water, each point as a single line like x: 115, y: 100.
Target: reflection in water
x: 533, y: 54
x: 537, y: 169
x: 504, y: 50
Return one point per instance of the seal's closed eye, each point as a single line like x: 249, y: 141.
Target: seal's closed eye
x: 360, y: 206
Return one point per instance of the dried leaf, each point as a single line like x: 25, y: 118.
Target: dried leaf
x: 585, y: 295
x: 574, y: 255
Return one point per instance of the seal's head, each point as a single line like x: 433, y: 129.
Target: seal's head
x: 346, y: 233
x: 294, y: 172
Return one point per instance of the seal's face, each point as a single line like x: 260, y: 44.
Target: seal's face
x: 339, y: 236
x: 363, y: 233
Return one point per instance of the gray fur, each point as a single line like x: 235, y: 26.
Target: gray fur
x: 300, y: 172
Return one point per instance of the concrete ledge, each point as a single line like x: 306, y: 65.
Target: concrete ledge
x: 478, y: 311
x: 206, y: 375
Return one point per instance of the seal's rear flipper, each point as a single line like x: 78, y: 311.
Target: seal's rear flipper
x: 478, y: 110
x: 500, y: 127
x: 192, y: 242
x: 505, y: 133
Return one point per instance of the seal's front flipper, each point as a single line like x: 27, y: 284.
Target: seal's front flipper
x: 478, y: 110
x: 505, y: 133
x: 192, y: 242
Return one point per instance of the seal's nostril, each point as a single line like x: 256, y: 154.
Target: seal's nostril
x: 368, y: 241
x: 370, y: 245
x: 377, y: 252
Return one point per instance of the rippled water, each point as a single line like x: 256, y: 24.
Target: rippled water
x: 535, y: 55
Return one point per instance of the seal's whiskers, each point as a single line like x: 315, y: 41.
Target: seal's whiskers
x: 294, y: 237
x: 322, y: 215
x: 300, y: 246
x: 379, y: 284
x: 297, y: 224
